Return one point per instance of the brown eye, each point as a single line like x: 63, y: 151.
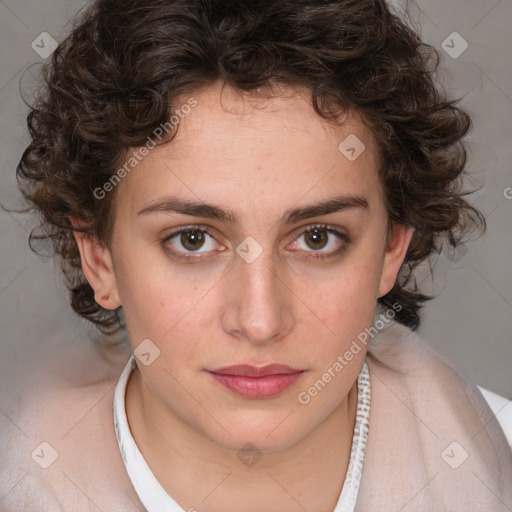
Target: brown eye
x: 191, y: 243
x: 320, y: 241
x: 192, y: 240
x: 316, y: 238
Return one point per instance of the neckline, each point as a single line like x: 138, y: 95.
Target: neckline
x: 154, y: 497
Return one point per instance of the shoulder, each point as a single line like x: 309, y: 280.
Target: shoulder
x: 403, y: 361
x: 432, y: 427
x: 502, y: 408
x: 61, y: 453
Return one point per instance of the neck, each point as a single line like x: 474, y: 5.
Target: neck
x: 200, y: 474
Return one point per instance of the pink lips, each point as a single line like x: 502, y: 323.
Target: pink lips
x: 257, y: 382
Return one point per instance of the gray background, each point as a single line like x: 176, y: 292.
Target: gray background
x: 469, y: 323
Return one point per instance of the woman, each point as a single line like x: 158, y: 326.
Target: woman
x: 252, y: 184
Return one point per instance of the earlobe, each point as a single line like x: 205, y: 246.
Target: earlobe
x: 98, y: 268
x: 394, y: 257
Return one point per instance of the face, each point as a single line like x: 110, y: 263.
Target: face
x: 251, y: 239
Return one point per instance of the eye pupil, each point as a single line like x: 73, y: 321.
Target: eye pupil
x: 318, y: 238
x: 191, y: 237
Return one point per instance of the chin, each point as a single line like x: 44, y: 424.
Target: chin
x: 264, y: 433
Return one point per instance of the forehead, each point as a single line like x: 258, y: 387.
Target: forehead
x: 241, y: 148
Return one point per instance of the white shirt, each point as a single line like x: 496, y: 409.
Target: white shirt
x: 155, y: 498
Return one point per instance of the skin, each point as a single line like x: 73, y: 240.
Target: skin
x: 258, y: 157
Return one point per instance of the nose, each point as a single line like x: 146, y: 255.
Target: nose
x: 258, y: 306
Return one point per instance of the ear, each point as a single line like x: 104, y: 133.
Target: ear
x: 394, y: 256
x: 97, y: 267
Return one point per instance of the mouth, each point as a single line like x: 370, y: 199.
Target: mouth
x: 257, y: 382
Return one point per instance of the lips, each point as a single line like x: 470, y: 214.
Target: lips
x: 246, y: 370
x: 257, y: 382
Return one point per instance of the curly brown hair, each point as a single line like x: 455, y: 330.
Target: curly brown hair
x: 120, y: 72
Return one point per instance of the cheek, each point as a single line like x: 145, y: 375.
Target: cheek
x: 347, y: 300
x: 143, y: 299
x: 168, y: 307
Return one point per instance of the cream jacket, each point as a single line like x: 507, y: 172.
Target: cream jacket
x: 434, y: 444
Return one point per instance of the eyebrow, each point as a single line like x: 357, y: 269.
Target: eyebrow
x: 198, y: 209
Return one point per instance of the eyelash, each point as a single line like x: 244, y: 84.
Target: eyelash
x: 311, y: 256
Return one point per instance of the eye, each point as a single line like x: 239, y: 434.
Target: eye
x: 191, y: 239
x: 319, y: 241
x: 322, y: 239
